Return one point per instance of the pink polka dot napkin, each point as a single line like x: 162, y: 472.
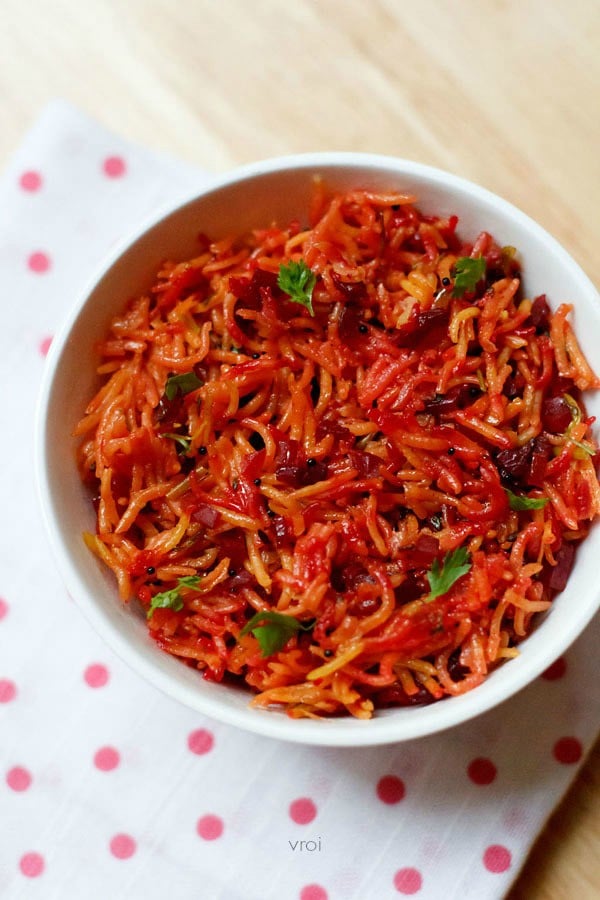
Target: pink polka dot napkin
x: 110, y: 790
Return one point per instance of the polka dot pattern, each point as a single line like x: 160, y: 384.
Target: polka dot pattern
x: 302, y: 811
x: 8, y: 690
x: 96, y: 675
x: 497, y: 859
x: 38, y: 262
x: 313, y: 892
x: 200, y: 741
x: 568, y: 751
x: 482, y: 771
x: 556, y: 671
x: 18, y: 779
x: 390, y: 789
x: 32, y: 864
x: 44, y: 345
x: 408, y: 881
x: 210, y: 827
x: 122, y: 846
x: 106, y: 759
x: 30, y: 181
x: 114, y: 166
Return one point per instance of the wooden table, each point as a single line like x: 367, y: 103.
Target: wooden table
x: 505, y: 92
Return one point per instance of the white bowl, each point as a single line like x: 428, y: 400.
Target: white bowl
x: 251, y: 196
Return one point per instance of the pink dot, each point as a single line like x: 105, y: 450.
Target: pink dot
x: 96, y: 675
x: 313, y: 892
x: 114, y: 166
x: 567, y: 750
x: 3, y: 608
x: 408, y: 881
x: 390, y: 789
x: 556, y: 670
x: 30, y: 181
x: 482, y: 771
x: 302, y: 811
x: 209, y: 827
x: 200, y: 741
x: 18, y: 778
x: 32, y: 864
x: 8, y: 690
x: 38, y: 262
x: 44, y: 345
x: 106, y: 759
x: 122, y: 846
x: 497, y: 858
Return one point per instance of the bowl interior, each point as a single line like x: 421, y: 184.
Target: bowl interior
x: 255, y: 196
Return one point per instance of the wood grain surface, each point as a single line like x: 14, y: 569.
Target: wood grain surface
x: 504, y: 92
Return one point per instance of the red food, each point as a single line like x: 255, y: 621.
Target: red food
x: 355, y: 471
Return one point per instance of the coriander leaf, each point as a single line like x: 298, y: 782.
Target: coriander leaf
x: 180, y: 439
x: 272, y: 638
x: 189, y: 581
x: 441, y: 579
x: 298, y: 282
x: 166, y: 600
x: 171, y: 599
x: 519, y: 502
x: 467, y: 272
x: 277, y: 631
x: 182, y: 384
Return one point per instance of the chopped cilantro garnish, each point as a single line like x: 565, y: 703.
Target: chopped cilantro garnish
x: 184, y: 442
x: 172, y: 599
x: 298, y: 282
x: 518, y: 502
x: 468, y: 271
x: 182, y: 384
x: 189, y: 581
x: 456, y: 564
x: 276, y: 632
x: 166, y: 600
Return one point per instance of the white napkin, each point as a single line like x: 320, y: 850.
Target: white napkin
x: 110, y: 791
